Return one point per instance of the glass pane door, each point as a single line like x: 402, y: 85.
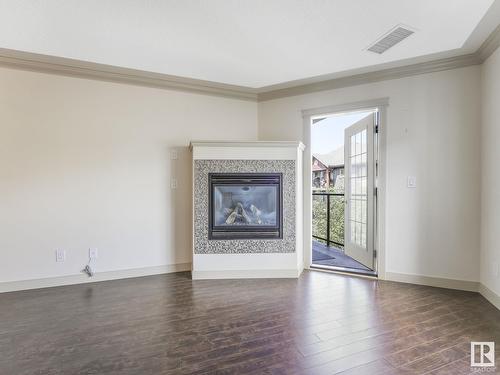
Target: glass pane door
x: 359, y: 191
x: 358, y: 199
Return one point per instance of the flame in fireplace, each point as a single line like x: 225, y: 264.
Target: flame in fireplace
x: 247, y: 215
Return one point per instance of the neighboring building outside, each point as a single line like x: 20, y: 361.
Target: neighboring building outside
x: 326, y: 168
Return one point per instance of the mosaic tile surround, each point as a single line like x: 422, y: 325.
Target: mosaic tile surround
x: 202, y: 245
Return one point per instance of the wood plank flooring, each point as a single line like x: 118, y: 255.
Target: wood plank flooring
x: 322, y: 323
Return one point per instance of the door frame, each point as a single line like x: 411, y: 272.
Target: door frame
x: 379, y: 104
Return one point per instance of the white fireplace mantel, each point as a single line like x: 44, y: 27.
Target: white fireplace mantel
x: 247, y: 258
x: 250, y: 150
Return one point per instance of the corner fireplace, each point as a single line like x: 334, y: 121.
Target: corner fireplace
x: 245, y: 206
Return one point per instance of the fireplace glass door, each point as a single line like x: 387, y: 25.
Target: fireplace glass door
x: 245, y: 206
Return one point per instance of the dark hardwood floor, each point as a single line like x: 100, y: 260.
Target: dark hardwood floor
x: 321, y: 323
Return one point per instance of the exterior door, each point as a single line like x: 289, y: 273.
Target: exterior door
x: 360, y: 191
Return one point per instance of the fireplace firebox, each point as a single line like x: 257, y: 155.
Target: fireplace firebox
x: 245, y: 206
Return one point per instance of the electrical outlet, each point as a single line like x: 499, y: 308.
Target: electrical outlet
x: 174, y: 155
x: 93, y: 253
x: 412, y: 182
x: 495, y: 269
x: 173, y: 183
x: 60, y: 255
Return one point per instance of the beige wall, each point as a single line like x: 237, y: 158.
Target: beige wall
x: 433, y: 134
x: 490, y: 167
x: 86, y: 164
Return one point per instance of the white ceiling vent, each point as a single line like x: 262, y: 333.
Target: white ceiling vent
x: 393, y: 37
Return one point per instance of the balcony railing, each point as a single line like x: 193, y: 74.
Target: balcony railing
x: 328, y: 218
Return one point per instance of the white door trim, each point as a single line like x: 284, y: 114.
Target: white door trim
x: 381, y: 105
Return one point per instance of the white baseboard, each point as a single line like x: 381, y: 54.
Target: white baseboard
x: 470, y: 286
x: 490, y: 295
x: 11, y: 286
x: 439, y: 282
x: 246, y: 274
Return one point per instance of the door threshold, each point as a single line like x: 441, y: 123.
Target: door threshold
x: 352, y: 271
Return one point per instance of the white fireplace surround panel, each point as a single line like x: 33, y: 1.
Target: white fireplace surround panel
x: 253, y: 264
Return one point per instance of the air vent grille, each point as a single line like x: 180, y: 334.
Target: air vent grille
x: 390, y: 39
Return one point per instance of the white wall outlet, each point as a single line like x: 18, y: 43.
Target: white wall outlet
x: 173, y: 183
x: 495, y: 269
x: 60, y: 255
x: 93, y: 253
x: 412, y: 182
x: 174, y: 155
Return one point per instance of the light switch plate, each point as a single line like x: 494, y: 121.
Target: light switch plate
x: 93, y: 253
x: 173, y: 183
x: 412, y: 182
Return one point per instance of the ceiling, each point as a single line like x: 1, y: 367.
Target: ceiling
x: 255, y: 43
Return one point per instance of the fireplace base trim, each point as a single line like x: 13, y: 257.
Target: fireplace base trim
x: 246, y: 274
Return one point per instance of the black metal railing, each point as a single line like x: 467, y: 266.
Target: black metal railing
x: 328, y: 217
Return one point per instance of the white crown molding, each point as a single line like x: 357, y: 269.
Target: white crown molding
x: 435, y: 65
x: 84, y: 69
x: 490, y: 45
x: 374, y: 76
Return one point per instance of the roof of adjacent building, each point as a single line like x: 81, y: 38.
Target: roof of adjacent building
x: 332, y: 159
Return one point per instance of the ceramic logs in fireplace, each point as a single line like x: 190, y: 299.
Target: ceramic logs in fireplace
x: 245, y: 206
